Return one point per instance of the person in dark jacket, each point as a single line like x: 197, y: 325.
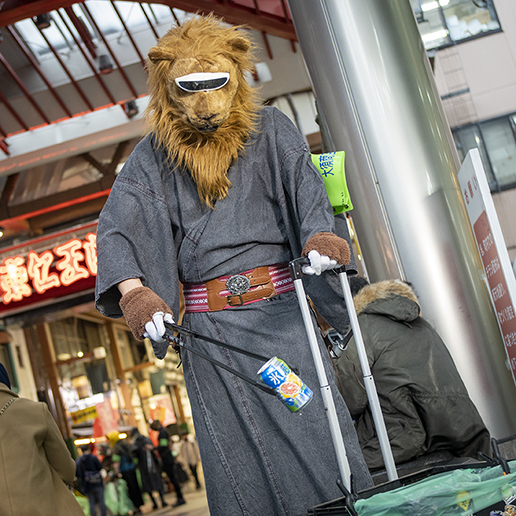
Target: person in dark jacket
x: 123, y: 464
x: 88, y: 472
x: 167, y: 459
x: 143, y: 449
x: 424, y: 401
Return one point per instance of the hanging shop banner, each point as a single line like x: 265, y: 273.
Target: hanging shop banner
x: 48, y: 268
x: 82, y: 416
x: 492, y: 249
x: 161, y: 408
x: 107, y: 418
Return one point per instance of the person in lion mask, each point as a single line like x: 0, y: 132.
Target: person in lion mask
x: 219, y: 190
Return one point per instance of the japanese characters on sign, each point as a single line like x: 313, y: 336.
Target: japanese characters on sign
x: 470, y: 189
x: 63, y: 265
x: 497, y: 285
x: 82, y: 416
x: 492, y: 250
x: 326, y: 164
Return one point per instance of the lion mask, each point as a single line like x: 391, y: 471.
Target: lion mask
x: 203, y: 130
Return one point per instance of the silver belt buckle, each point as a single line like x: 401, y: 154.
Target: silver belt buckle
x: 238, y: 284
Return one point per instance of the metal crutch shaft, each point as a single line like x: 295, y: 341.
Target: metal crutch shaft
x: 372, y: 394
x: 329, y: 404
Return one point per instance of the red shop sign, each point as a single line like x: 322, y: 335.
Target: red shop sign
x: 66, y: 268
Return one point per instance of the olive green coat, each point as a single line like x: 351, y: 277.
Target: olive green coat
x: 35, y: 463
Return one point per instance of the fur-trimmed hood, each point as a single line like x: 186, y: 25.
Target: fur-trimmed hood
x: 392, y: 298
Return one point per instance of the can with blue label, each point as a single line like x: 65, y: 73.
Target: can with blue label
x: 291, y: 390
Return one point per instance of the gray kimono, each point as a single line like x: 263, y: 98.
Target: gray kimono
x: 258, y: 457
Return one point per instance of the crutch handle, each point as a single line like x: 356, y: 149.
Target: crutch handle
x: 296, y: 268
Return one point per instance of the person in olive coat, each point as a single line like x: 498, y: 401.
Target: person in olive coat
x: 36, y: 464
x: 424, y: 401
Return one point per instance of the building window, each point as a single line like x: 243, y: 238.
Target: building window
x: 445, y: 22
x: 496, y: 141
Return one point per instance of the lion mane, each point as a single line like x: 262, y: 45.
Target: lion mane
x: 206, y: 155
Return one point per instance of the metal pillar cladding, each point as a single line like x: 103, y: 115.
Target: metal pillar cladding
x: 377, y: 98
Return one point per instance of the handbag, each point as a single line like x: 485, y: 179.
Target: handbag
x: 180, y: 473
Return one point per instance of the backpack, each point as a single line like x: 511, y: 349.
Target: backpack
x: 126, y: 463
x: 91, y: 477
x: 126, y: 458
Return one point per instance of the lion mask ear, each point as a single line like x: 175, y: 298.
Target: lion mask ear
x: 240, y: 44
x: 161, y: 54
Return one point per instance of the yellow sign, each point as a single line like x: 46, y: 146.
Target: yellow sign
x: 81, y: 416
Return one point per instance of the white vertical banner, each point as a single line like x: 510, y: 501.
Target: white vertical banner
x: 492, y: 248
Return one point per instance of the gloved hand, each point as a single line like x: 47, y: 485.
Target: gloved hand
x: 145, y: 313
x: 318, y: 263
x: 325, y: 251
x: 155, y: 329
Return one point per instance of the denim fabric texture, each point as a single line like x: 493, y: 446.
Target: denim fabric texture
x: 96, y: 496
x: 258, y: 458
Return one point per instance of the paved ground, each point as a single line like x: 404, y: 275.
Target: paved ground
x: 196, y: 504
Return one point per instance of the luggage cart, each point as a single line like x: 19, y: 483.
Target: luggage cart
x: 490, y: 479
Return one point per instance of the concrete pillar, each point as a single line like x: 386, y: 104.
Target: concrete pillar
x: 376, y: 94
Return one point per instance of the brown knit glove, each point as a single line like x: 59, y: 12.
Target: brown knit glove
x: 328, y: 244
x: 138, y: 306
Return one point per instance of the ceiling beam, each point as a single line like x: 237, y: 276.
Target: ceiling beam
x: 237, y: 14
x: 59, y: 200
x: 12, y: 11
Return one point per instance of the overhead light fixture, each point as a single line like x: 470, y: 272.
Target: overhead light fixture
x: 429, y: 6
x: 43, y: 21
x: 131, y: 108
x: 105, y: 64
x: 1, y: 232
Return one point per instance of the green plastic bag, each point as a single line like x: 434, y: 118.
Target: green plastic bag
x: 83, y: 502
x: 116, y: 497
x: 461, y: 491
x: 331, y: 167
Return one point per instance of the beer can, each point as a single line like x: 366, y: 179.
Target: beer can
x: 291, y: 390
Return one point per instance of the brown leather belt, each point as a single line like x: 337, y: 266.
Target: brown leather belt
x: 260, y: 287
x: 239, y: 289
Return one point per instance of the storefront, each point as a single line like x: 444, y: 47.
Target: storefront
x: 94, y: 375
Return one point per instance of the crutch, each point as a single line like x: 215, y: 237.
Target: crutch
x: 296, y: 273
x: 329, y: 404
x: 372, y: 394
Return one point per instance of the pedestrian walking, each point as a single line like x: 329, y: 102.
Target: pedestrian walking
x: 89, y: 473
x: 189, y: 455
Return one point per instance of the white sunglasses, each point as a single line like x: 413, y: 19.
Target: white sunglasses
x: 203, y: 81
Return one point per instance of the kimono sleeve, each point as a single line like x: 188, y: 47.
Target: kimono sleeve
x: 134, y: 236
x: 304, y: 188
x: 311, y: 212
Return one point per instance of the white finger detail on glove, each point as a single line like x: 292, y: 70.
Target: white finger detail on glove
x: 155, y: 329
x: 332, y: 265
x: 318, y: 264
